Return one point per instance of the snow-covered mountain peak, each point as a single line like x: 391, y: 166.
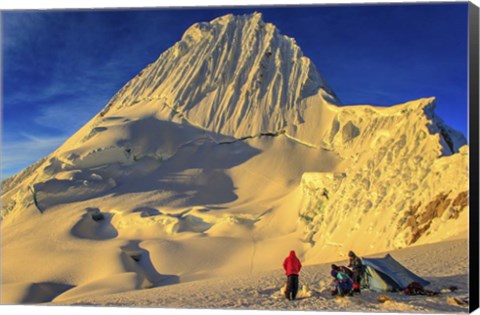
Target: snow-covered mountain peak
x: 253, y: 18
x: 236, y: 76
x: 226, y: 25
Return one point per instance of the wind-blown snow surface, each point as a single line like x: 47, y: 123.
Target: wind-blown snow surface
x: 263, y: 290
x: 219, y: 158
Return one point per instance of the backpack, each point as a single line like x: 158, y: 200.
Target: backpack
x: 347, y: 271
x: 416, y: 288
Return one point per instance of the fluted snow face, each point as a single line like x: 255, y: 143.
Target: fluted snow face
x: 235, y: 75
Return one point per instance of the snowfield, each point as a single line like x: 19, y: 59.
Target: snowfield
x: 444, y: 264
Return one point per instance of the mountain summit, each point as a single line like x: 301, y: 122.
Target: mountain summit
x: 220, y: 157
x: 235, y: 75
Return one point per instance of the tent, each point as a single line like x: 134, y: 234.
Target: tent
x: 387, y: 274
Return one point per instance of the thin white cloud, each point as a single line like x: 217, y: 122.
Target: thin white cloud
x: 17, y: 155
x: 67, y: 118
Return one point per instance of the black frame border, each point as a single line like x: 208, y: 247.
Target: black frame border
x: 473, y: 93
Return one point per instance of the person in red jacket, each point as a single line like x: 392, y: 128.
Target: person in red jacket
x: 292, y: 267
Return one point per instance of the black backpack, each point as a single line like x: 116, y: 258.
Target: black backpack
x: 416, y: 288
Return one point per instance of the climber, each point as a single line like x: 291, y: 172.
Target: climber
x: 342, y: 283
x: 355, y: 263
x: 292, y: 267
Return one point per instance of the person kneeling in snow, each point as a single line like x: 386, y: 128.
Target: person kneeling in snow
x: 292, y: 267
x: 343, y: 284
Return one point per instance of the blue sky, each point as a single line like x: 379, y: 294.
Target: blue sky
x: 60, y: 68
